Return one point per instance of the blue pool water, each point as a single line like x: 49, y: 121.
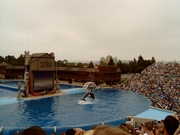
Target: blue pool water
x: 13, y: 85
x: 68, y: 110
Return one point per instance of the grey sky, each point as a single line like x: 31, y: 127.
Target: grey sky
x: 90, y: 29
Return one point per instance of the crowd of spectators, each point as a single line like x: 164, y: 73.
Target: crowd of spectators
x: 160, y: 82
x: 168, y: 126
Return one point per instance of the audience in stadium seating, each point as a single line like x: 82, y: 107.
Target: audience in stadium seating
x: 148, y: 129
x: 160, y: 82
x: 169, y: 126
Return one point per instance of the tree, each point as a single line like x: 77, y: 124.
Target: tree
x: 111, y: 62
x: 133, y: 66
x: 124, y: 67
x: 140, y: 61
x: 153, y: 60
x: 80, y: 65
x: 58, y: 63
x: 139, y: 69
x: 10, y: 60
x: 102, y: 62
x: 62, y: 63
x: 1, y: 59
x: 71, y: 64
x: 20, y: 61
x: 91, y: 65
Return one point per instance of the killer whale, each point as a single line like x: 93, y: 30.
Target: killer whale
x: 89, y: 94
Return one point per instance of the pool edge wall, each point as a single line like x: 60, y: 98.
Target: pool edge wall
x: 50, y: 130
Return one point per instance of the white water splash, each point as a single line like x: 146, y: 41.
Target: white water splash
x: 88, y: 101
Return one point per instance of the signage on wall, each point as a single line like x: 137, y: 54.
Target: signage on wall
x: 46, y: 64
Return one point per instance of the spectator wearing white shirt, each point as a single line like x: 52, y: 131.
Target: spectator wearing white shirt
x: 130, y: 121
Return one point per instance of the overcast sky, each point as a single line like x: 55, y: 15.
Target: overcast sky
x: 91, y: 29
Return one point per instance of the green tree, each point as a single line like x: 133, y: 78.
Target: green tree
x: 86, y: 64
x: 111, y: 62
x: 124, y: 67
x: 139, y: 69
x: 140, y: 61
x: 71, y: 64
x: 102, y: 62
x: 10, y: 60
x: 62, y: 63
x: 80, y: 65
x: 153, y: 60
x: 20, y: 61
x: 133, y: 66
x: 91, y: 65
x: 58, y: 63
x: 2, y: 59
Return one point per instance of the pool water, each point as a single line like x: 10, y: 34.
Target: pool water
x: 69, y: 110
x: 110, y: 106
x: 11, y: 91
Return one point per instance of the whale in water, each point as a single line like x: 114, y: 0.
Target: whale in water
x: 89, y: 94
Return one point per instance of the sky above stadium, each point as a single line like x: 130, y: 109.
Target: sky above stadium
x: 91, y: 29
